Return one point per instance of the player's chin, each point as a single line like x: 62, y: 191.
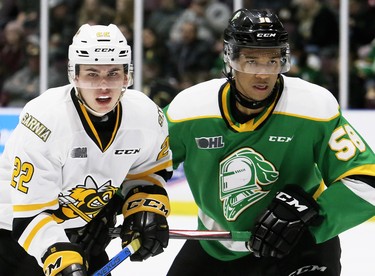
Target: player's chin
x: 102, y: 107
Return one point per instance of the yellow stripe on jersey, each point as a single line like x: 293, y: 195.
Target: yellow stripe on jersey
x: 361, y: 170
x: 84, y: 111
x: 320, y: 190
x: 248, y: 126
x: 157, y: 168
x: 151, y: 179
x: 35, y: 230
x: 88, y: 120
x: 33, y: 207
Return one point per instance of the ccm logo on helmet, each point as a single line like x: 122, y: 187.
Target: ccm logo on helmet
x: 105, y: 50
x: 266, y: 34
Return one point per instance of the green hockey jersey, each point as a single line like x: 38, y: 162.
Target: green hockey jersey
x: 234, y: 170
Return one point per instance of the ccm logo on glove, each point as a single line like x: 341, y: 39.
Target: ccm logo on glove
x: 144, y: 202
x: 288, y: 199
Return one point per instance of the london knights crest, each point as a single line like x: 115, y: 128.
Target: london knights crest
x: 244, y: 177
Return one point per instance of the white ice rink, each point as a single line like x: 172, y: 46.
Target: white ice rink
x: 357, y: 257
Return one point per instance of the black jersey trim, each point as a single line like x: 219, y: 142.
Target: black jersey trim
x: 99, y: 137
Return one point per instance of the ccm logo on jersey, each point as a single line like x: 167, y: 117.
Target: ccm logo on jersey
x: 127, y: 151
x: 291, y: 201
x: 280, y: 139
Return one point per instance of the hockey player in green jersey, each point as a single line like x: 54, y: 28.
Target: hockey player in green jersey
x: 81, y: 154
x: 269, y: 154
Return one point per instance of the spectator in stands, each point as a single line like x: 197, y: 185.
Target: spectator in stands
x: 217, y: 15
x: 154, y: 50
x: 28, y: 15
x: 190, y: 56
x: 365, y: 66
x: 124, y: 13
x: 317, y: 23
x: 23, y: 85
x: 8, y: 12
x: 154, y: 68
x: 194, y: 13
x: 163, y: 18
x: 361, y: 23
x: 95, y: 12
x: 12, y: 53
x: 62, y: 23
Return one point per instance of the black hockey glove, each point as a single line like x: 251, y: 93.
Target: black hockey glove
x: 145, y: 216
x: 283, y: 222
x: 94, y: 237
x: 64, y: 259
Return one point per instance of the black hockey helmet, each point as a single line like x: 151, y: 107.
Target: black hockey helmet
x: 255, y: 29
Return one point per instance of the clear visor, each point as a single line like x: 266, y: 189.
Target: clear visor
x: 101, y: 78
x: 259, y: 61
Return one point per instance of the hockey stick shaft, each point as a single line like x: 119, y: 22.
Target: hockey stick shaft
x: 173, y: 234
x: 119, y: 258
x: 200, y: 234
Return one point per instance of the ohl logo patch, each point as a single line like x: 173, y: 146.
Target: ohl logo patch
x: 210, y: 142
x: 244, y: 179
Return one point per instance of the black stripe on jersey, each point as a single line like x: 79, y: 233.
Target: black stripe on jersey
x: 165, y: 174
x: 368, y: 179
x: 147, y: 189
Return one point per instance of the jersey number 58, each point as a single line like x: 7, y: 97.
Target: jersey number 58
x: 346, y: 148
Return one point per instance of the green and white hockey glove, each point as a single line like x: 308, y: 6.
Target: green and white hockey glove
x: 145, y: 216
x: 64, y: 259
x: 281, y: 225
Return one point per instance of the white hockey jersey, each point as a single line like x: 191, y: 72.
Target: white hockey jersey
x: 55, y: 160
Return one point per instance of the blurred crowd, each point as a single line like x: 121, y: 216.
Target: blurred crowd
x: 182, y: 43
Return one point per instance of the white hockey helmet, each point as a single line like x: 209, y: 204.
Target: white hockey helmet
x: 99, y: 44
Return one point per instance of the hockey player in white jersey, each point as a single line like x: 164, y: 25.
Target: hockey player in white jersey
x: 80, y: 155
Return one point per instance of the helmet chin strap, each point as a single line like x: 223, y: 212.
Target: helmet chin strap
x: 244, y: 100
x: 250, y: 103
x: 92, y: 111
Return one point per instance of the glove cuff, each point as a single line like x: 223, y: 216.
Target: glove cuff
x: 300, y: 203
x: 60, y: 256
x: 147, y: 198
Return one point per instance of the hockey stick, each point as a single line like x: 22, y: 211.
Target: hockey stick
x: 199, y: 234
x: 119, y: 258
x: 173, y: 234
